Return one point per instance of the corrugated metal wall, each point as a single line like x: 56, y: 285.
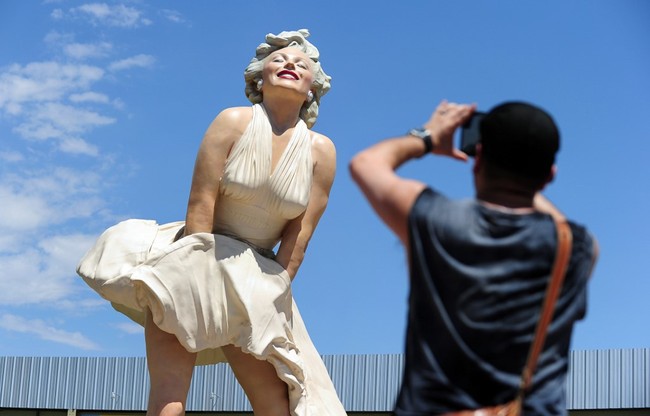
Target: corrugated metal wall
x: 608, y: 379
x: 366, y: 382
x: 73, y: 383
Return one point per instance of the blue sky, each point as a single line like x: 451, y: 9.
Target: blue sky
x: 103, y: 105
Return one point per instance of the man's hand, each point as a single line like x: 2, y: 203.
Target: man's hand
x: 442, y: 125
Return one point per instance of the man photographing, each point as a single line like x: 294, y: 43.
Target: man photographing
x: 479, y: 268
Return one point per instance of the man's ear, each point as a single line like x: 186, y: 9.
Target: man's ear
x: 550, y: 177
x: 478, y: 158
x: 551, y: 174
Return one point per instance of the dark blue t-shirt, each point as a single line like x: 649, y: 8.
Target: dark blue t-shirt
x: 478, y: 280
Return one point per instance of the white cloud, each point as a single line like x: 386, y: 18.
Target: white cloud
x: 47, y: 332
x: 10, y: 241
x: 130, y: 328
x: 25, y: 279
x: 57, y: 38
x: 43, y: 273
x: 74, y: 145
x: 81, y: 305
x: 77, y: 50
x: 138, y: 61
x: 62, y: 122
x: 118, y: 15
x: 118, y: 103
x: 13, y: 109
x: 44, y: 81
x: 89, y: 96
x: 57, y: 14
x: 20, y: 211
x: 11, y: 156
x: 47, y: 198
x: 64, y: 252
x: 83, y: 51
x: 56, y: 120
x: 173, y: 16
x: 32, y: 95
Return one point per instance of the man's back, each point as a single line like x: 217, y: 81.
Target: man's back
x: 478, y: 278
x: 479, y: 269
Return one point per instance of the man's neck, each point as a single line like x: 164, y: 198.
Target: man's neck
x: 507, y: 200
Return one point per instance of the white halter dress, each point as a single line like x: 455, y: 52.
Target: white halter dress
x: 225, y: 288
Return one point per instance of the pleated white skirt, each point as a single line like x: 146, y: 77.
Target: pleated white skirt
x: 211, y: 290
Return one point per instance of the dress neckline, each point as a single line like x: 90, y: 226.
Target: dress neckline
x: 298, y: 131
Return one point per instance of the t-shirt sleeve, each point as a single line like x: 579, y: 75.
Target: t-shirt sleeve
x: 424, y: 204
x: 580, y: 265
x: 419, y: 220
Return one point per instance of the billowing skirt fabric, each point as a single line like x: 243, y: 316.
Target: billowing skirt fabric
x: 211, y: 290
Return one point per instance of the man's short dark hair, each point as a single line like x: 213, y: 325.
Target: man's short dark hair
x: 521, y: 139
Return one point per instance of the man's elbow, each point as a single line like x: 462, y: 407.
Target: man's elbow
x: 358, y: 167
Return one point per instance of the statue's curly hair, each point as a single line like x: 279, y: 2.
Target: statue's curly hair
x: 294, y: 39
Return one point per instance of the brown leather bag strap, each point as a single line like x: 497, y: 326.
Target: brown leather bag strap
x: 564, y: 242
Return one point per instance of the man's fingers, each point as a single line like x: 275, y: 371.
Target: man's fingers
x: 459, y: 155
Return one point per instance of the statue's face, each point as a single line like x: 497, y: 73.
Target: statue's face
x: 288, y: 68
